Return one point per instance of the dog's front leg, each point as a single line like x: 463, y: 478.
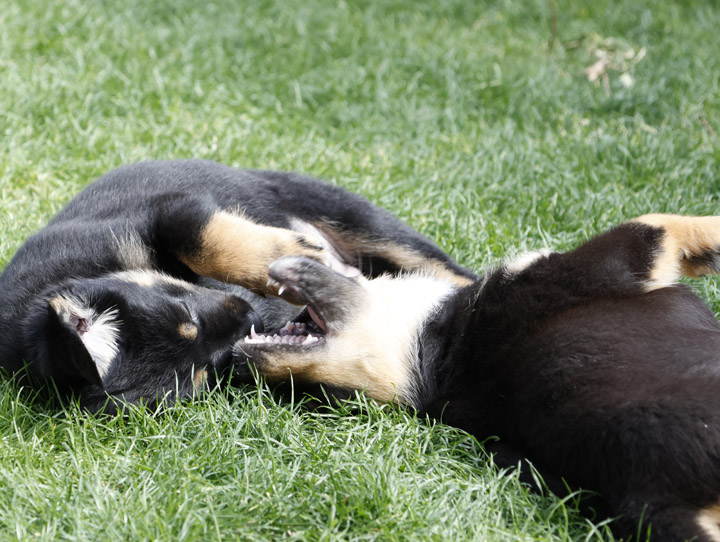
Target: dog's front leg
x: 228, y: 246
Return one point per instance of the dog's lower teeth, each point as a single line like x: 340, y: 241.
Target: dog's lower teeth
x: 290, y: 334
x: 291, y: 328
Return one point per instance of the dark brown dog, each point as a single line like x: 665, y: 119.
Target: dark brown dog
x: 592, y: 364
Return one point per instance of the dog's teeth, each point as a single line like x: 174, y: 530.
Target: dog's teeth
x: 281, y: 290
x: 292, y: 333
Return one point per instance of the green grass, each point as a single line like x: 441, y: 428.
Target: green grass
x: 455, y: 115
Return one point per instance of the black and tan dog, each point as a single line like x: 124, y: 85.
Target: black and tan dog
x: 130, y: 291
x: 593, y: 364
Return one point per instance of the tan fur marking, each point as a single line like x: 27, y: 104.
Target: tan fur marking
x: 200, y: 379
x: 709, y: 521
x: 411, y: 260
x: 188, y: 331
x: 63, y: 304
x: 235, y: 249
x: 60, y: 303
x: 686, y: 237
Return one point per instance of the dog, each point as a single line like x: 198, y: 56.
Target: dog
x: 139, y: 290
x: 594, y: 364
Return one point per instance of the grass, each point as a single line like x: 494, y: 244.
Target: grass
x: 455, y: 115
x: 241, y: 466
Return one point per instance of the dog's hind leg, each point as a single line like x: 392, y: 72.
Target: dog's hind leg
x: 636, y: 257
x: 690, y: 246
x: 379, y: 252
x: 376, y: 252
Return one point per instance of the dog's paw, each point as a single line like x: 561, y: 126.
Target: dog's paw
x: 704, y: 262
x: 689, y: 246
x: 289, y: 243
x: 306, y: 282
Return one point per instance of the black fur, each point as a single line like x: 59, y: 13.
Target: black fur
x: 592, y: 380
x: 151, y: 217
x: 578, y: 362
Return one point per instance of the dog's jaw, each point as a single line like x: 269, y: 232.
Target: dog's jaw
x: 365, y: 332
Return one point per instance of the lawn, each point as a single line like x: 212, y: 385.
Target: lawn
x: 492, y: 127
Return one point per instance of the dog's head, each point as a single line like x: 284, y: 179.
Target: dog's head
x: 354, y: 334
x: 133, y: 335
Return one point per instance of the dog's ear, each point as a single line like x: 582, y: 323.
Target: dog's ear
x: 86, y: 338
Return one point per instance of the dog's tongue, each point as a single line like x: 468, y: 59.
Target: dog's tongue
x: 315, y: 318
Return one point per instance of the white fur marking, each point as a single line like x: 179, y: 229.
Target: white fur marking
x: 101, y: 340
x: 149, y: 279
x: 131, y: 251
x: 522, y: 262
x: 374, y: 348
x: 336, y: 261
x: 378, y: 349
x: 402, y: 306
x: 100, y: 334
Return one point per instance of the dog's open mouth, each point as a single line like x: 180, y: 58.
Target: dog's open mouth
x: 307, y: 329
x: 328, y: 297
